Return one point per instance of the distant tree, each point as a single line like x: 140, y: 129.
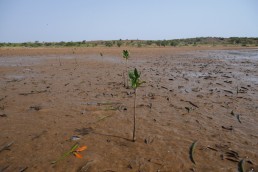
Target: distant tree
x: 24, y: 44
x: 119, y: 43
x: 158, y: 43
x: 69, y: 44
x: 163, y: 43
x: 108, y: 44
x: 173, y: 43
x: 149, y: 42
x: 48, y: 44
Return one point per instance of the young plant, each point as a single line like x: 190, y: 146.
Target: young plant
x: 74, y: 150
x: 60, y: 64
x: 126, y: 55
x: 101, y: 56
x: 135, y: 83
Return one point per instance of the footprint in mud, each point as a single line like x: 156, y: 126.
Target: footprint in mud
x: 84, y: 131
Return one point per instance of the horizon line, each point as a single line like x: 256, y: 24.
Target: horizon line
x: 215, y: 37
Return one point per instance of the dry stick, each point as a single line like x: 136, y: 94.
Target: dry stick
x: 134, y: 119
x: 76, y: 63
x: 124, y: 77
x: 102, y: 118
x: 6, y: 146
x: 60, y: 64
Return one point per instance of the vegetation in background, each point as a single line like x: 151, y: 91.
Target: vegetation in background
x: 200, y: 41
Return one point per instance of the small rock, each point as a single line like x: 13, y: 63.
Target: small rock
x: 3, y: 115
x: 36, y: 107
x: 74, y: 138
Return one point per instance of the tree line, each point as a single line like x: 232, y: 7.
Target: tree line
x: 212, y: 41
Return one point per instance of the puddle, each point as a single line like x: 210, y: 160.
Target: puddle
x: 20, y: 61
x: 16, y: 77
x: 110, y: 59
x: 251, y: 54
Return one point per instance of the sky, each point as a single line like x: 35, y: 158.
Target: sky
x: 78, y: 20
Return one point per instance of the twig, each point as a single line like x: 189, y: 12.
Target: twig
x: 228, y: 91
x: 5, y: 147
x: 23, y: 169
x: 32, y: 92
x: 238, y: 118
x: 193, y: 104
x: 102, y: 118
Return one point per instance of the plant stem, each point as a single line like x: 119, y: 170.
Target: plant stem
x: 126, y: 75
x: 134, y: 119
x: 67, y: 153
x: 60, y: 64
x: 75, y: 61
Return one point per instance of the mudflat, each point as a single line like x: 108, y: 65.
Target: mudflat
x: 53, y: 98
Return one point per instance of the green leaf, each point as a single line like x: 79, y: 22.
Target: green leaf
x: 137, y: 75
x: 131, y: 75
x: 241, y: 165
x: 191, y: 152
x: 135, y: 78
x: 126, y: 54
x: 67, y: 153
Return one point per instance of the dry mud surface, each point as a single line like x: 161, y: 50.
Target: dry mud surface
x: 204, y: 95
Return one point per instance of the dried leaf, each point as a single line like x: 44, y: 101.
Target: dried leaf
x: 77, y: 155
x: 238, y: 118
x: 192, y: 151
x: 241, y: 165
x: 82, y: 148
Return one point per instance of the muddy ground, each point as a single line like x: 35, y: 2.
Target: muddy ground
x: 208, y: 95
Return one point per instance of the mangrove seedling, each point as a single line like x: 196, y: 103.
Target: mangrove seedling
x: 126, y: 55
x: 60, y: 64
x: 135, y: 83
x: 74, y: 150
x: 101, y: 54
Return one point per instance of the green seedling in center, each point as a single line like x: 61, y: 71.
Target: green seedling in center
x: 135, y: 83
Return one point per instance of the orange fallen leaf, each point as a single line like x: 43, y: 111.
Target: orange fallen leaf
x: 82, y: 148
x: 77, y: 155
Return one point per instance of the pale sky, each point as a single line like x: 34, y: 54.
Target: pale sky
x: 77, y: 20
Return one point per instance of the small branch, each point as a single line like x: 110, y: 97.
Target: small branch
x: 6, y: 146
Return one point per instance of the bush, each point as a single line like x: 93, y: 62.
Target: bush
x: 119, y: 43
x: 149, y: 42
x: 108, y: 44
x: 173, y: 43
